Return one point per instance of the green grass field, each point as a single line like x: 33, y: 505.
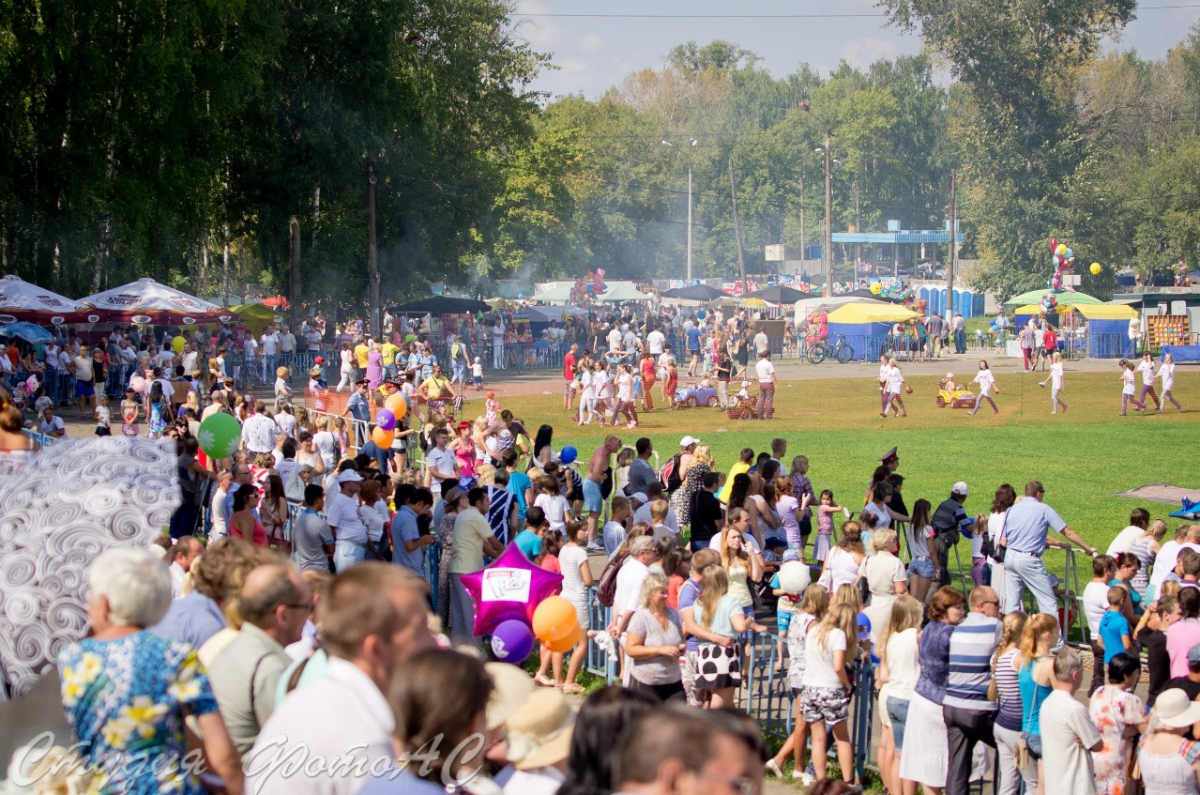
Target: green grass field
x: 1083, y: 457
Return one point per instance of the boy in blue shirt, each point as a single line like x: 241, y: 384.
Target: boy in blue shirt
x: 1114, y: 627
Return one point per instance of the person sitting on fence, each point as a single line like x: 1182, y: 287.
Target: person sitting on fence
x: 436, y: 390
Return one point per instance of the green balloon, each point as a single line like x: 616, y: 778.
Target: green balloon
x: 220, y: 435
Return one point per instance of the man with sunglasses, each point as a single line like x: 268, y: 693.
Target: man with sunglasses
x: 969, y: 714
x: 274, y: 604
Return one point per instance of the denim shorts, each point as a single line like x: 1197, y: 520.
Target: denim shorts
x: 593, y: 497
x: 922, y: 567
x: 783, y: 620
x: 897, y: 710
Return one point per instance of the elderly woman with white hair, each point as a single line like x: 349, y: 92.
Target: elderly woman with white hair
x: 127, y: 691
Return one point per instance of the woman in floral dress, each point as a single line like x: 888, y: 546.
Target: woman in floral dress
x: 1119, y: 715
x: 127, y: 691
x: 455, y: 500
x: 693, y: 481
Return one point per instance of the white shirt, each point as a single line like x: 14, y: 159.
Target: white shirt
x: 178, y: 575
x: 189, y: 362
x: 443, y: 462
x: 985, y: 379
x: 765, y: 370
x: 258, y: 432
x: 895, y: 380
x: 614, y: 340
x: 556, y: 508
x: 643, y: 515
x: 54, y: 424
x: 1124, y: 540
x: 220, y: 524
x: 1166, y: 372
x: 1095, y: 605
x: 761, y: 342
x: 1067, y: 736
x: 342, y: 717
x: 655, y: 339
x: 819, y: 671
x: 342, y: 515
x: 629, y: 586
x: 1127, y: 382
x: 1056, y: 375
x: 1165, y: 560
x: 1147, y: 370
x: 270, y: 343
x: 542, y: 781
x: 286, y: 423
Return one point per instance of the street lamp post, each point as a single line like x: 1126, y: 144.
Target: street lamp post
x: 692, y: 143
x: 828, y: 243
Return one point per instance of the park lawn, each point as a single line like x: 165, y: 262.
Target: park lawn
x: 1083, y: 457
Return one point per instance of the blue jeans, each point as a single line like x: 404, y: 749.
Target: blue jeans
x: 1028, y: 571
x: 960, y: 341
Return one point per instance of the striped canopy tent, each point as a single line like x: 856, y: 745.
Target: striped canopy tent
x: 147, y: 301
x: 23, y: 301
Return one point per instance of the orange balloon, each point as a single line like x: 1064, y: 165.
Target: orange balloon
x: 554, y: 619
x: 397, y: 405
x: 567, y: 643
x: 382, y: 438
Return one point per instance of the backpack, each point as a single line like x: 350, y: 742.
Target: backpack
x: 670, y: 479
x: 606, y: 591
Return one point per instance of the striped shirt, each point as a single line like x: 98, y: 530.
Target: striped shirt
x: 971, y: 647
x: 499, y: 511
x: 1008, y: 688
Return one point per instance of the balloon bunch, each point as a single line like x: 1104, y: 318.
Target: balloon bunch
x: 1063, y: 258
x: 395, y: 408
x: 514, y: 603
x: 1049, y: 303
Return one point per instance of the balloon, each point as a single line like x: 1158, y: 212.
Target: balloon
x: 876, y: 288
x: 566, y: 643
x: 554, y: 619
x: 794, y: 577
x: 600, y: 272
x: 382, y: 437
x: 568, y: 454
x: 1053, y: 244
x: 220, y: 435
x: 397, y: 405
x: 702, y: 314
x: 137, y: 384
x: 1069, y: 254
x: 510, y: 587
x: 31, y: 384
x: 1096, y: 269
x: 1060, y: 249
x: 385, y: 419
x: 512, y: 641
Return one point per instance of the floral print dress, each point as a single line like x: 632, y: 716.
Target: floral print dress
x: 1113, y: 710
x: 125, y: 701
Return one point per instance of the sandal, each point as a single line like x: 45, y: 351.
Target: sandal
x: 573, y: 689
x: 542, y: 680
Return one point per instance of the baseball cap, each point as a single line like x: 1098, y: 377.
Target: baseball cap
x: 1193, y: 655
x: 639, y: 497
x: 960, y: 488
x: 790, y: 555
x: 349, y: 476
x: 688, y: 441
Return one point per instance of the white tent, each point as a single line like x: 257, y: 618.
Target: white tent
x: 147, y: 301
x: 23, y: 301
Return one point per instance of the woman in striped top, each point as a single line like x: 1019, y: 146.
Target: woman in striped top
x: 1008, y: 717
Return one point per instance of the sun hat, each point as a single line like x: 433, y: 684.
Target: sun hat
x: 511, y: 686
x: 350, y: 476
x: 539, y: 731
x: 1175, y: 710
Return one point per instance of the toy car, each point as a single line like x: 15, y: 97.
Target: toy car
x: 691, y: 397
x: 956, y: 398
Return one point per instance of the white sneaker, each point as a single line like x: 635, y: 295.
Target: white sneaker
x: 805, y: 778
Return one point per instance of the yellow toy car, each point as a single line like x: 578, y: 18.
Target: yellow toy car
x: 951, y: 395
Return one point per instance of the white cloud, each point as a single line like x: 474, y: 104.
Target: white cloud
x: 591, y: 43
x: 542, y: 33
x: 861, y: 53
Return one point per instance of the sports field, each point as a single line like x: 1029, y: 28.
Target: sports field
x: 1083, y: 457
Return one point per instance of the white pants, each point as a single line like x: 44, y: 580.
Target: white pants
x: 587, y: 409
x: 347, y: 378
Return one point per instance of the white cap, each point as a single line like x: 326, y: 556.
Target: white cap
x: 641, y: 497
x: 688, y: 441
x: 349, y: 476
x: 959, y: 488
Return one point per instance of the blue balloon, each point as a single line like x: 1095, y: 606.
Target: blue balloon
x: 702, y: 314
x: 568, y: 454
x: 512, y: 641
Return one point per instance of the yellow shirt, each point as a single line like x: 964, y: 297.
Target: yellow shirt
x: 737, y: 469
x: 389, y: 350
x: 360, y: 353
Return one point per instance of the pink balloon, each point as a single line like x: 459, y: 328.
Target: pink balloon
x: 137, y: 384
x: 510, y: 588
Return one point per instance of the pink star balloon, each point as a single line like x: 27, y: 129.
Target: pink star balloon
x: 509, y: 588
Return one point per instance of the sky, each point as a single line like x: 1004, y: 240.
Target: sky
x: 593, y: 53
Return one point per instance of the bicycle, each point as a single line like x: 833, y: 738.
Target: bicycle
x: 821, y: 350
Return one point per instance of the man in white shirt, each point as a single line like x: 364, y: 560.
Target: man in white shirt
x: 250, y: 351
x: 287, y: 347
x: 761, y: 343
x: 190, y: 359
x: 349, y: 531
x: 766, y: 386
x: 1068, y: 734
x: 185, y: 550
x: 258, y: 432
x: 270, y: 348
x: 441, y: 465
x: 497, y: 345
x: 51, y: 425
x: 128, y: 354
x: 344, y: 718
x: 655, y: 341
x: 165, y: 357
x: 614, y: 338
x: 633, y: 573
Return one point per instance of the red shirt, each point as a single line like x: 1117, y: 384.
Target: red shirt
x: 1051, y: 339
x: 569, y: 366
x: 648, y: 371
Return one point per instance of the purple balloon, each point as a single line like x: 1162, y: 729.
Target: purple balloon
x: 512, y: 641
x: 385, y: 419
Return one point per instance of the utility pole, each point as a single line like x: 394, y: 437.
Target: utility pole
x: 372, y: 253
x: 951, y: 261
x: 857, y: 229
x: 737, y: 227
x: 803, y: 237
x: 689, y: 253
x: 828, y: 252
x: 294, y: 276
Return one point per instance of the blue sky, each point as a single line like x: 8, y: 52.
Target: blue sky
x: 594, y: 53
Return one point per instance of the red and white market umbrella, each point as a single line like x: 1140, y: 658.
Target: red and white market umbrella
x: 147, y: 301
x: 22, y: 301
